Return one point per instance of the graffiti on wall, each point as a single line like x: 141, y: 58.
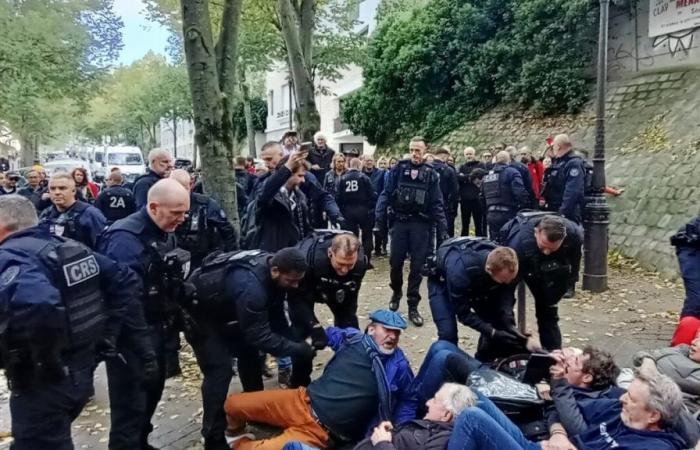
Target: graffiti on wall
x: 681, y: 41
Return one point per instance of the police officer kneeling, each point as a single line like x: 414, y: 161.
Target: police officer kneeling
x: 472, y: 281
x: 60, y: 307
x: 239, y: 304
x: 549, y: 252
x: 145, y: 242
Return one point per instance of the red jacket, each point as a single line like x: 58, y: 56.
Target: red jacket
x: 537, y: 175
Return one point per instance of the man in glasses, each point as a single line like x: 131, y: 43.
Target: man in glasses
x: 9, y: 184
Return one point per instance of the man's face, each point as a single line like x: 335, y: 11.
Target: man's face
x: 635, y: 413
x: 342, y: 262
x: 290, y: 141
x: 545, y: 246
x: 574, y: 361
x: 320, y: 143
x: 417, y: 150
x: 296, y: 180
x: 469, y: 155
x: 271, y: 157
x: 62, y: 192
x: 502, y: 276
x: 369, y: 163
x: 162, y: 165
x: 33, y: 179
x: 436, y: 409
x: 486, y: 157
x: 11, y: 181
x: 288, y: 280
x: 340, y: 164
x: 383, y: 164
x: 387, y: 340
x: 169, y: 215
x: 525, y: 156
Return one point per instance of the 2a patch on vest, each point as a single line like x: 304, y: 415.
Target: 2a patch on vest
x: 81, y: 270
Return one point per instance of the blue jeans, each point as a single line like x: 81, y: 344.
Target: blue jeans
x: 433, y: 371
x: 485, y: 427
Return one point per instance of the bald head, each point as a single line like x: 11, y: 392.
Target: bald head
x: 561, y: 144
x: 181, y: 176
x: 168, y: 203
x: 503, y: 157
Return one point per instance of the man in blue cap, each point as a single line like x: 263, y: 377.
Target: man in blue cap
x: 368, y: 380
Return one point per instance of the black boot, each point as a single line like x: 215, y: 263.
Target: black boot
x: 571, y: 291
x: 395, y: 300
x: 414, y: 316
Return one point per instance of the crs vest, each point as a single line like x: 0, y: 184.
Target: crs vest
x: 74, y: 270
x: 209, y: 281
x: 65, y: 224
x: 411, y: 194
x: 328, y: 285
x: 496, y: 190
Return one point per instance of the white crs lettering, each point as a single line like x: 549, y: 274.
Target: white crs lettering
x: 351, y: 186
x: 81, y: 270
x: 116, y: 202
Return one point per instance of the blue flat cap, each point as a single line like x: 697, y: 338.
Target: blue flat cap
x: 389, y: 319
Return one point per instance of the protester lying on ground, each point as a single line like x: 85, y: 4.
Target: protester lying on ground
x: 682, y: 365
x: 430, y: 433
x: 368, y: 380
x: 644, y: 420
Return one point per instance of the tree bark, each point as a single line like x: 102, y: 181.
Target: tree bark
x: 27, y: 149
x: 308, y: 119
x: 248, y: 113
x: 212, y: 118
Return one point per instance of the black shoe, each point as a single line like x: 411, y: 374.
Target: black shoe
x: 394, y: 302
x: 284, y: 378
x: 370, y: 266
x: 570, y: 293
x: 172, y: 368
x: 414, y: 316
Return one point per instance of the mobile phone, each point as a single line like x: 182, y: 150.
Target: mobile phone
x: 304, y: 147
x: 538, y: 368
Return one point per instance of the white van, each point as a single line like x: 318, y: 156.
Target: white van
x: 127, y: 159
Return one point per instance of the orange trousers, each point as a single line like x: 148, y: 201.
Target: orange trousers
x: 289, y: 409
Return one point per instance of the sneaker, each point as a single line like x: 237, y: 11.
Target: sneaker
x: 414, y: 316
x: 570, y: 293
x: 394, y: 302
x: 231, y: 440
x: 283, y: 378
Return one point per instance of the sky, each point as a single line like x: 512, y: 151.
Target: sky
x: 139, y: 34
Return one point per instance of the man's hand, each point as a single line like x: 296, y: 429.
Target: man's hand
x: 558, y: 442
x: 316, y: 167
x: 319, y: 340
x: 305, y: 351
x: 382, y: 433
x: 294, y: 159
x: 558, y: 370
x: 509, y: 337
x: 544, y: 391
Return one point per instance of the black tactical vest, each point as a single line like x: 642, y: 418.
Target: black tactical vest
x: 495, y: 188
x: 413, y: 184
x: 65, y: 224
x: 193, y: 234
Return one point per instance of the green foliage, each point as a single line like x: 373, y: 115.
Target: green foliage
x: 258, y: 109
x: 429, y: 71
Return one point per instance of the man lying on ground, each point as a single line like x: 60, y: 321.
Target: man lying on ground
x: 368, y: 380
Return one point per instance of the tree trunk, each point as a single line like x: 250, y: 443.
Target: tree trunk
x: 174, y: 135
x: 213, y: 130
x: 27, y: 151
x: 250, y: 130
x: 308, y: 119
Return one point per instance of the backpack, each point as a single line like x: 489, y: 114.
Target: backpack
x: 250, y: 226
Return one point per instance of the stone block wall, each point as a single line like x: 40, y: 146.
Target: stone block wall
x: 652, y: 151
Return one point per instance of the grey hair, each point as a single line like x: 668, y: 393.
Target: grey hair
x: 503, y: 157
x: 156, y: 153
x: 319, y: 135
x: 664, y: 395
x: 457, y: 398
x: 17, y: 213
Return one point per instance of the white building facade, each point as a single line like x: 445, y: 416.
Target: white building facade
x: 280, y: 96
x: 185, y: 138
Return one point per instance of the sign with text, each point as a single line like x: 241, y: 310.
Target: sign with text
x: 670, y: 16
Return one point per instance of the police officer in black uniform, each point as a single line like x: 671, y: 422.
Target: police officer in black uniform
x: 549, y: 254
x: 470, y: 201
x: 160, y: 163
x: 69, y: 217
x: 471, y: 280
x: 145, y: 242
x: 412, y: 190
x: 116, y: 202
x: 239, y: 304
x: 61, y: 308
x: 564, y: 182
x: 206, y: 228
x: 504, y: 193
x: 355, y: 197
x: 449, y: 186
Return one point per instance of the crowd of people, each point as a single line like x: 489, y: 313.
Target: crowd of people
x: 120, y: 275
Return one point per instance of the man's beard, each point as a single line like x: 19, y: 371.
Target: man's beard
x: 386, y: 351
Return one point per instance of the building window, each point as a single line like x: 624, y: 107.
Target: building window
x: 271, y: 102
x: 351, y: 147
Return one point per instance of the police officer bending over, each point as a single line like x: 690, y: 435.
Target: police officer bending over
x: 69, y: 217
x: 503, y: 192
x: 413, y: 192
x: 206, y: 228
x: 115, y: 202
x: 145, y: 242
x: 61, y: 306
x: 472, y: 282
x: 549, y: 252
x: 239, y: 304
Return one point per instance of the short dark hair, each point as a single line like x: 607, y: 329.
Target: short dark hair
x: 240, y: 161
x: 288, y: 260
x: 419, y: 139
x: 250, y: 158
x: 269, y: 144
x: 477, y: 174
x: 601, y: 366
x: 442, y: 151
x: 553, y: 227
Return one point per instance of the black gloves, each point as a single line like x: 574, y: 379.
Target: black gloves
x: 319, y: 340
x: 106, y: 348
x: 151, y: 371
x: 510, y: 337
x: 305, y: 351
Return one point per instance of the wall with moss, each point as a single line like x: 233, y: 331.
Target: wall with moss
x: 653, y: 152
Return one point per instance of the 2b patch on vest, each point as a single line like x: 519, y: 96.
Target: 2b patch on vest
x: 81, y: 270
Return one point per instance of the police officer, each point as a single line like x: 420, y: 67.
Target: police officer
x: 240, y: 308
x: 449, y: 186
x: 376, y: 176
x: 160, y: 163
x: 524, y: 174
x: 412, y: 190
x: 470, y: 201
x: 549, y: 253
x: 69, y: 217
x: 206, y: 228
x: 145, y: 242
x: 62, y: 306
x: 355, y: 197
x: 472, y: 281
x: 564, y: 181
x: 504, y: 193
x: 116, y: 202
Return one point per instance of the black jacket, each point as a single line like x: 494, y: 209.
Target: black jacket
x: 322, y: 158
x: 414, y: 435
x: 467, y: 189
